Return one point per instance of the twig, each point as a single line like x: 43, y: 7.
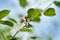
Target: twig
x: 42, y: 12
x: 40, y: 4
x: 16, y: 33
x: 48, y: 6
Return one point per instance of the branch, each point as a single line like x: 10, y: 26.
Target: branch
x: 16, y: 33
x: 41, y: 3
x: 48, y: 6
x: 42, y: 12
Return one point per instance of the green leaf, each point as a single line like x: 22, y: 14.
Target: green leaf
x: 4, y: 13
x: 36, y: 20
x: 1, y: 38
x: 6, y: 23
x: 57, y: 3
x: 33, y: 37
x: 23, y: 3
x: 16, y: 38
x: 34, y: 14
x: 50, y: 12
x: 1, y: 22
x: 13, y: 39
x: 1, y: 31
x: 13, y: 20
x: 8, y: 37
x: 26, y: 29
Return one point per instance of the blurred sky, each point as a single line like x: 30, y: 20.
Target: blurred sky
x: 46, y: 26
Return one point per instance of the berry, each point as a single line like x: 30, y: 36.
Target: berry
x: 26, y: 17
x: 21, y: 20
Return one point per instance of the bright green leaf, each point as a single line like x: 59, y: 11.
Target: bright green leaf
x: 8, y: 37
x: 23, y: 3
x: 13, y: 39
x: 13, y: 20
x: 26, y: 29
x: 36, y: 20
x: 6, y: 23
x: 1, y: 21
x: 50, y: 12
x: 34, y: 14
x: 4, y: 13
x: 57, y: 3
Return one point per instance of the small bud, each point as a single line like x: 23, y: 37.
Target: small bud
x: 21, y: 20
x: 26, y: 17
